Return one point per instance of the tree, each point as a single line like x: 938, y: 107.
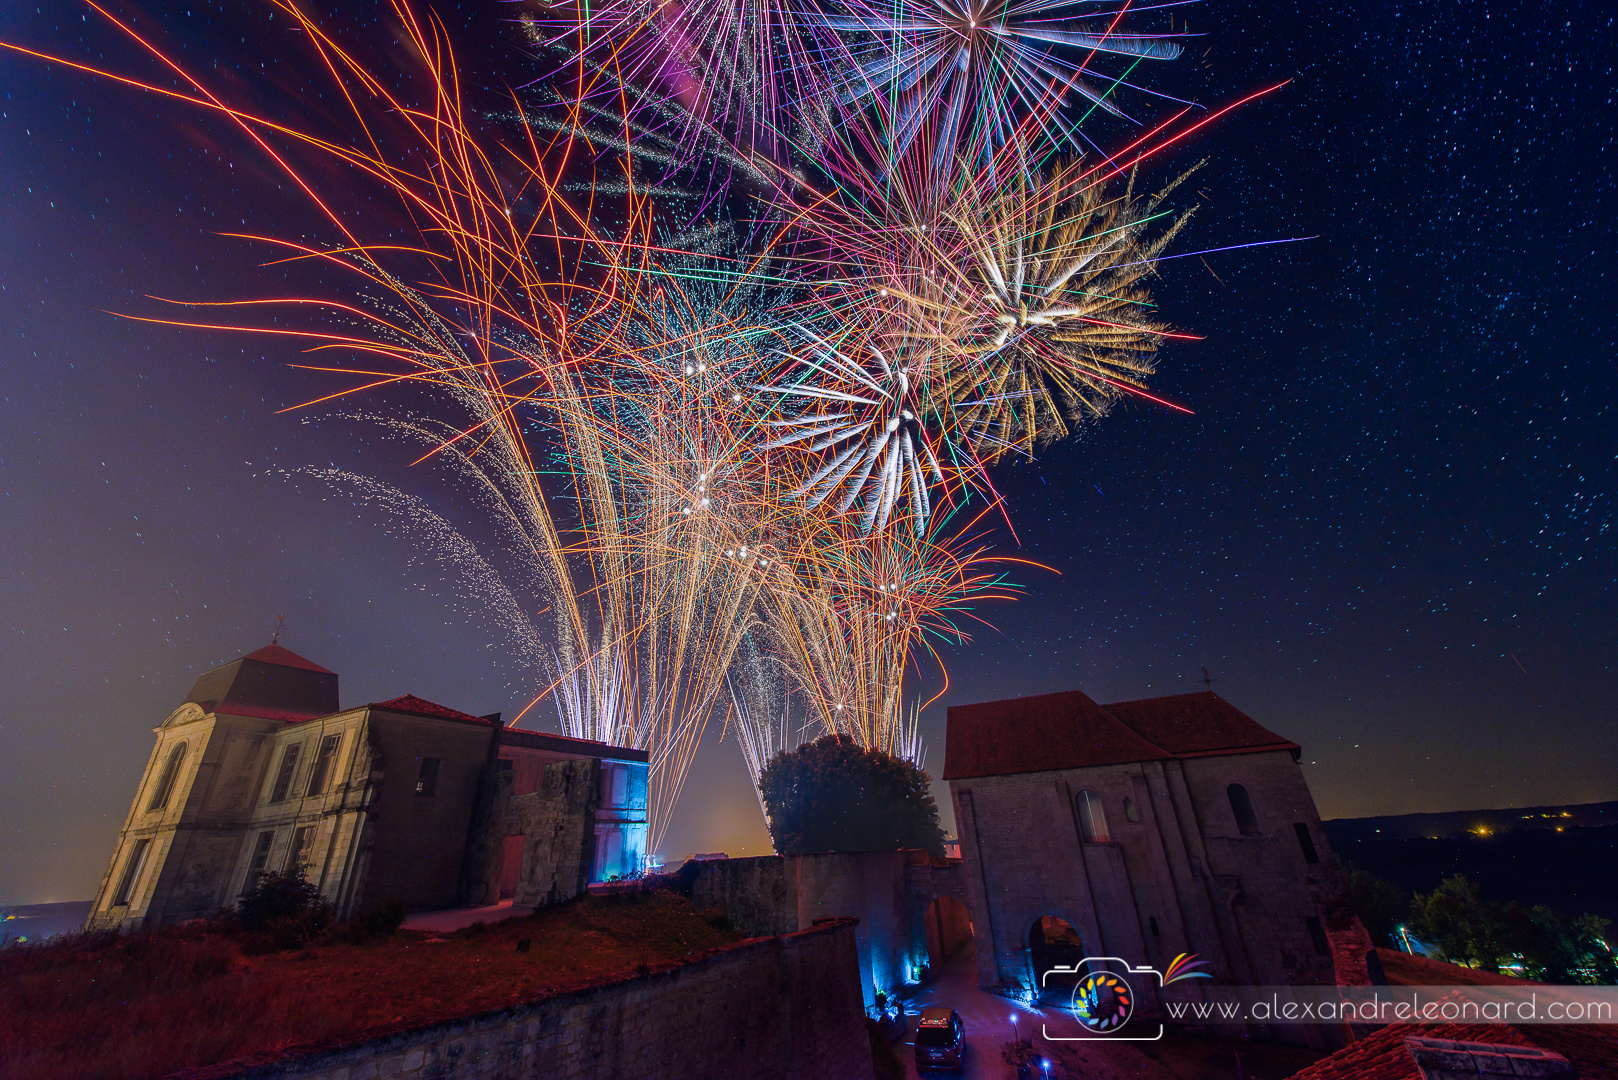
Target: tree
x: 1549, y: 946
x: 834, y: 795
x: 1461, y: 926
x: 1380, y: 904
x: 1558, y: 948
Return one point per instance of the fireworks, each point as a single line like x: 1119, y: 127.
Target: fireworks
x: 972, y: 74
x: 1066, y: 327
x: 744, y: 465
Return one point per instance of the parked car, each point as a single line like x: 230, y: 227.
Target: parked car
x: 940, y: 1039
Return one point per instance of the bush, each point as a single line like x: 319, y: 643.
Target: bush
x: 375, y: 924
x: 282, y: 911
x: 1018, y: 1052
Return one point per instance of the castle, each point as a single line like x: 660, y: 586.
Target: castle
x: 1138, y: 830
x: 396, y: 801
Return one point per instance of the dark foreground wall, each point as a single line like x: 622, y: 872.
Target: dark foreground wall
x: 784, y: 1007
x: 890, y: 892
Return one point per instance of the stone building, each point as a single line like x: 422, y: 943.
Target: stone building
x: 400, y: 800
x: 1138, y: 830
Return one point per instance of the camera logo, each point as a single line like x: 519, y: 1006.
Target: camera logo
x: 1103, y: 1000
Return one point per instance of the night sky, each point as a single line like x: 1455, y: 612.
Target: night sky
x: 1387, y: 530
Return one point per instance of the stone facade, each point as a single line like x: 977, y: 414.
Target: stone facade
x: 403, y: 801
x: 1186, y: 829
x: 783, y: 1007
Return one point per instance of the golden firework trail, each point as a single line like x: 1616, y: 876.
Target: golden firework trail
x: 743, y: 458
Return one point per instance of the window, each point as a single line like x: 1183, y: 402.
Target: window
x: 609, y: 853
x: 1306, y: 842
x: 261, y: 858
x: 171, y: 771
x: 615, y: 785
x: 323, y: 760
x: 427, y: 782
x: 1131, y: 811
x: 1241, y: 805
x: 1318, y: 934
x: 283, y: 779
x: 132, y: 869
x: 298, y: 853
x: 1092, y: 817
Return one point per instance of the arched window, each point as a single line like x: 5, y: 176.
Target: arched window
x: 1092, y: 817
x: 1241, y: 805
x: 1131, y: 811
x: 165, y: 785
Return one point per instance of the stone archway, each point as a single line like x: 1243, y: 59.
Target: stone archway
x: 1055, y: 955
x: 948, y: 927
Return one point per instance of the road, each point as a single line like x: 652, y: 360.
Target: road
x: 990, y: 1025
x: 988, y: 1019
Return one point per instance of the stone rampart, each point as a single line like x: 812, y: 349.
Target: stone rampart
x: 784, y: 1007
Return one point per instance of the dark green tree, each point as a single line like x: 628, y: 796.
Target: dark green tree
x: 1548, y: 945
x: 1557, y: 948
x: 1380, y: 904
x: 1460, y: 925
x: 834, y: 795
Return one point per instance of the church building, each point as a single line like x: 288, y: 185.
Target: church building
x: 1138, y: 830
x: 400, y: 800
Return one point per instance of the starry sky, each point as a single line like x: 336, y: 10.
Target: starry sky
x: 1387, y: 530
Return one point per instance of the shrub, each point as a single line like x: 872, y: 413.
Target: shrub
x: 1018, y: 1052
x: 374, y: 924
x: 282, y: 911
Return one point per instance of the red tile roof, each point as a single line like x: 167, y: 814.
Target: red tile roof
x: 1069, y: 731
x: 1405, y: 969
x: 1035, y: 734
x: 1384, y: 1054
x: 415, y: 706
x: 1193, y: 725
x: 275, y: 654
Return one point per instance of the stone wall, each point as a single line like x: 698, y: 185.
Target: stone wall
x: 870, y: 886
x: 557, y: 824
x: 782, y: 1007
x: 759, y: 895
x: 887, y: 891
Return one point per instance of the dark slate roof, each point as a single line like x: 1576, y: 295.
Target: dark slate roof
x: 412, y: 705
x: 1036, y: 734
x: 273, y: 682
x: 1192, y: 725
x: 275, y: 654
